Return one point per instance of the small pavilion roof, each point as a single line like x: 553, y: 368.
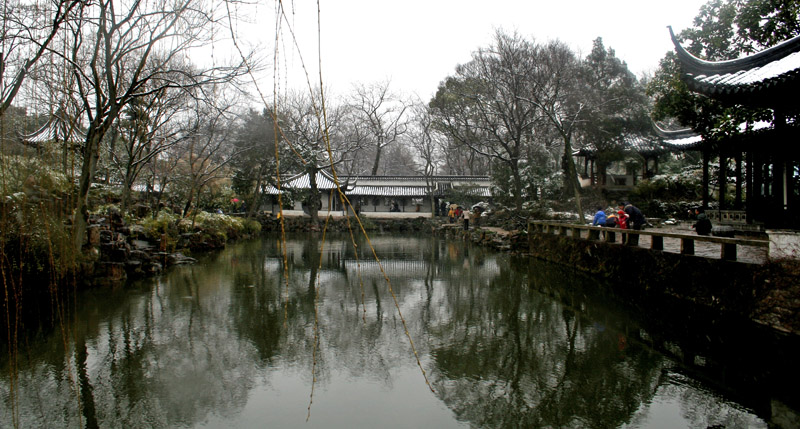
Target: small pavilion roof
x: 324, y: 180
x: 55, y: 130
x: 303, y: 181
x: 639, y: 143
x: 767, y: 78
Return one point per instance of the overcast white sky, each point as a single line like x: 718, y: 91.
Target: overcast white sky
x: 418, y: 43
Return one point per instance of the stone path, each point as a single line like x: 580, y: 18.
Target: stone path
x: 748, y: 254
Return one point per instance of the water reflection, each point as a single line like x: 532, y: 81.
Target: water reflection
x: 506, y: 343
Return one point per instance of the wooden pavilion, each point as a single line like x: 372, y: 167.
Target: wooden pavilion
x: 646, y: 148
x: 766, y: 154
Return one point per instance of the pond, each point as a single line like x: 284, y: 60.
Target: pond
x: 501, y: 342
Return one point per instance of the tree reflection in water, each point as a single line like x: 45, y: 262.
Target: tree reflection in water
x: 506, y: 343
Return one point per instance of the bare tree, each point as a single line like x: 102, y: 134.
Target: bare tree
x: 122, y: 51
x: 147, y: 131
x: 381, y: 116
x: 423, y: 139
x: 309, y: 132
x: 205, y: 148
x: 27, y: 31
x: 558, y: 97
x: 484, y: 105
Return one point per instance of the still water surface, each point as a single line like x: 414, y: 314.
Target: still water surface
x: 504, y: 342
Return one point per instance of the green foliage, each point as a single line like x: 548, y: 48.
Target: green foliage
x: 684, y: 186
x: 22, y: 174
x: 35, y: 206
x: 165, y: 222
x: 33, y: 237
x: 219, y: 225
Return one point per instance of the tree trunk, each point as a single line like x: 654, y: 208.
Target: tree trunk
x: 188, y: 205
x: 313, y: 199
x: 517, y: 185
x: 377, y: 160
x: 90, y: 155
x: 602, y: 170
x: 256, y: 193
x: 572, y: 178
x: 126, y: 190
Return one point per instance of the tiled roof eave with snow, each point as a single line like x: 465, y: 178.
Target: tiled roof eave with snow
x: 686, y: 139
x: 769, y: 77
x: 55, y: 130
x: 392, y: 186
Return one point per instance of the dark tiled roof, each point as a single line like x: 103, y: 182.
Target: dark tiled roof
x: 55, y: 130
x: 389, y: 186
x: 767, y: 78
x: 641, y: 144
x: 688, y: 139
x: 682, y: 139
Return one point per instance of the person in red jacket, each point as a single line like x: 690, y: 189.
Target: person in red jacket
x: 622, y: 219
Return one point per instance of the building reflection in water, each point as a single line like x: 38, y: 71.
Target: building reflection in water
x: 505, y: 342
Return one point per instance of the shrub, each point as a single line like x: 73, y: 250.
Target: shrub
x: 165, y: 222
x: 688, y: 185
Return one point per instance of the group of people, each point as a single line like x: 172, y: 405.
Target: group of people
x: 457, y: 213
x: 627, y: 216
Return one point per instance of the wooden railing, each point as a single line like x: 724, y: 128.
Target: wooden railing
x: 728, y: 246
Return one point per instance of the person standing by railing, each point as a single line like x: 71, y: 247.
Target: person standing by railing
x: 599, y: 217
x: 702, y: 225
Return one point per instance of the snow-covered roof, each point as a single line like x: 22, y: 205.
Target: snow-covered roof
x: 642, y: 144
x: 391, y: 186
x: 687, y: 139
x: 389, y: 191
x: 55, y: 130
x: 768, y: 77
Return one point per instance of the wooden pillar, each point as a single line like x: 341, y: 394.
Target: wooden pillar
x: 750, y: 186
x: 766, y: 175
x: 779, y: 170
x: 791, y: 202
x: 644, y: 169
x: 687, y: 246
x: 705, y: 177
x: 728, y: 251
x: 722, y: 179
x: 737, y: 203
x: 657, y: 242
x: 778, y: 178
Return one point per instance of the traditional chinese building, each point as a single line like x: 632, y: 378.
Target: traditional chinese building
x: 618, y: 175
x: 765, y: 154
x: 381, y: 193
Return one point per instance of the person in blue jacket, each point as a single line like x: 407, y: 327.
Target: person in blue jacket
x: 599, y: 217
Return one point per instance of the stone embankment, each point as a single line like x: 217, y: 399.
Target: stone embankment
x: 119, y: 251
x: 342, y: 223
x: 765, y: 293
x: 513, y: 241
